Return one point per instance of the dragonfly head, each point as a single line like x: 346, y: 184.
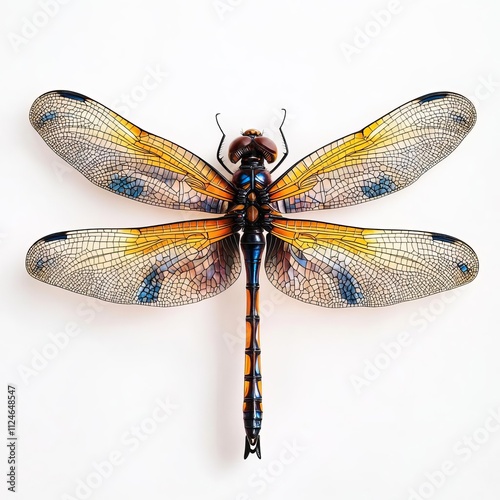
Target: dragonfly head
x: 252, y: 147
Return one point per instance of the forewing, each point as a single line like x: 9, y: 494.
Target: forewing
x: 384, y: 157
x: 339, y: 266
x: 167, y: 265
x: 120, y: 157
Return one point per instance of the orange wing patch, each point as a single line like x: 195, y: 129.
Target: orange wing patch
x: 340, y: 266
x: 384, y: 157
x: 120, y: 157
x: 166, y: 265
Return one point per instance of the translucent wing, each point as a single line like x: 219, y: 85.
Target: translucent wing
x: 385, y: 156
x: 339, y: 266
x: 166, y: 265
x: 120, y: 157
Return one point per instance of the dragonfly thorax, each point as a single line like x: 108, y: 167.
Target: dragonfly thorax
x: 252, y: 197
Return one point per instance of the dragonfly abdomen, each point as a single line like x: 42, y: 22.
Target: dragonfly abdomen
x: 252, y: 245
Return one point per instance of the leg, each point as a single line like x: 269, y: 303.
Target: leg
x: 219, y: 154
x: 285, y: 152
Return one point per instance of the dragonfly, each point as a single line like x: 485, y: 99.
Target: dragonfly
x: 316, y: 262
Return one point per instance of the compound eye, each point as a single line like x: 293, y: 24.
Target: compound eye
x: 238, y: 148
x: 267, y: 147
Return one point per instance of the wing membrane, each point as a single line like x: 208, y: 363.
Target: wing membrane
x: 387, y: 155
x: 120, y: 157
x: 167, y: 265
x: 339, y: 266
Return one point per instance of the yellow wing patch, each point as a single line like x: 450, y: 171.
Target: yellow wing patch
x: 387, y: 155
x: 340, y: 266
x: 120, y: 157
x: 166, y: 265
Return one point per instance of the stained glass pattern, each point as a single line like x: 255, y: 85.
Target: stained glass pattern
x: 167, y: 265
x: 122, y: 158
x: 384, y: 157
x: 339, y: 266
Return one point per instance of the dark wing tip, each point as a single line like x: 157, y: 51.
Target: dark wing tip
x: 462, y: 256
x: 63, y: 235
x: 461, y: 109
x: 444, y: 238
x: 69, y: 94
x: 38, y: 259
x: 469, y: 266
x: 46, y: 107
x: 433, y: 96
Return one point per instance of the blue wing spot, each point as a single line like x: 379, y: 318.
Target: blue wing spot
x: 210, y: 272
x: 383, y: 186
x: 49, y: 115
x: 433, y: 97
x: 212, y: 207
x: 298, y: 257
x: 72, y: 95
x: 150, y: 287
x: 40, y: 263
x: 289, y: 204
x: 169, y: 181
x: 126, y: 185
x: 55, y: 237
x: 349, y: 288
x: 443, y: 237
x: 463, y: 267
x: 458, y: 118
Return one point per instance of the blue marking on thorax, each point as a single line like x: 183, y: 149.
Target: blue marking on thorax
x: 348, y: 286
x: 150, y: 287
x: 126, y: 185
x: 463, y: 267
x: 432, y: 97
x: 72, y: 95
x: 383, y: 186
x: 49, y: 115
x: 243, y: 180
x: 443, y: 237
x: 261, y: 178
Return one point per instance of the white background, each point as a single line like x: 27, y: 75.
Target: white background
x: 246, y: 60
